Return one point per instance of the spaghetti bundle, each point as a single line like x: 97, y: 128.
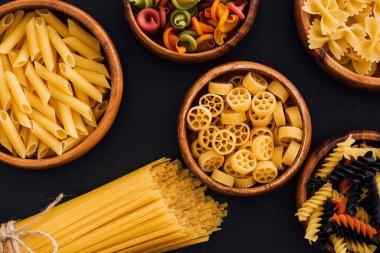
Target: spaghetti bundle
x: 156, y: 208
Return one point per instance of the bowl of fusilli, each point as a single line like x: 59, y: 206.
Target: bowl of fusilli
x: 338, y: 193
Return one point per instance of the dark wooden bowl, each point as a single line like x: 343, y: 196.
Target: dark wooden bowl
x: 116, y: 83
x: 209, y: 55
x: 184, y: 135
x: 325, y: 61
x: 319, y: 153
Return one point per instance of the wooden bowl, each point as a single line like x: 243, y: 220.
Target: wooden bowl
x: 218, y: 51
x: 318, y: 154
x: 325, y: 61
x: 116, y: 83
x: 200, y: 87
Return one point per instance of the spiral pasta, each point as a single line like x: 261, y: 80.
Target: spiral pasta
x: 313, y: 226
x: 355, y: 224
x: 360, y: 247
x: 339, y: 244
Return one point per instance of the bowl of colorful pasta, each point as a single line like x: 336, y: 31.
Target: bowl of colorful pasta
x: 341, y: 36
x: 190, y: 31
x: 60, y: 83
x: 338, y: 193
x: 244, y: 129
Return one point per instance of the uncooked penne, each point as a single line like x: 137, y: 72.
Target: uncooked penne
x: 31, y: 36
x: 79, y: 124
x: 12, y: 134
x: 6, y: 22
x: 93, y: 77
x: 4, y: 141
x: 83, y: 49
x: 85, y: 99
x: 5, y: 95
x: 37, y: 83
x: 22, y: 118
x: 17, y: 92
x: 31, y: 145
x: 48, y: 125
x: 43, y: 149
x: 5, y: 63
x: 78, y: 32
x: 17, y: 17
x: 18, y: 71
x: 44, y: 43
x: 54, y: 22
x: 67, y: 120
x: 24, y: 134
x: 10, y: 42
x: 71, y: 101
x: 61, y: 47
x: 23, y: 55
x: 80, y: 82
x: 71, y: 142
x: 53, y: 78
x: 46, y: 137
x: 84, y: 63
x: 99, y: 109
x: 37, y: 104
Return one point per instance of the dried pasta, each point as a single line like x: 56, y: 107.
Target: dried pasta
x: 242, y: 122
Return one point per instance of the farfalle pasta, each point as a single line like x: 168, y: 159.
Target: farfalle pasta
x: 348, y: 30
x: 189, y: 26
x: 343, y: 209
x: 254, y: 132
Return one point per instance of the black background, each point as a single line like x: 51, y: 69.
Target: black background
x: 145, y: 128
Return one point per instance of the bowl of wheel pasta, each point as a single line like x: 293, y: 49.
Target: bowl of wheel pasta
x: 190, y: 31
x: 338, y: 193
x: 60, y: 83
x: 244, y: 129
x: 341, y: 38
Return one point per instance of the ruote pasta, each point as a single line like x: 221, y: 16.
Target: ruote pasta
x: 157, y: 208
x: 244, y: 130
x: 342, y: 212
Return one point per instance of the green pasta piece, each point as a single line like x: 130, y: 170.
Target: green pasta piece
x: 191, y: 33
x: 185, y: 4
x: 180, y: 19
x: 188, y: 41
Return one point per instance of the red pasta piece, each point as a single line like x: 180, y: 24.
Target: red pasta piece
x: 355, y: 224
x: 238, y: 8
x: 148, y: 20
x: 340, y: 207
x: 345, y: 186
x: 163, y: 12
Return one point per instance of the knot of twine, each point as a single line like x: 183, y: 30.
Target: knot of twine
x: 11, y: 237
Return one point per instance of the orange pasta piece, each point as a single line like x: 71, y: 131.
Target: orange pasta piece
x: 207, y: 12
x: 340, y: 205
x: 212, y: 22
x: 355, y: 224
x: 229, y: 24
x: 214, y: 10
x: 196, y: 25
x: 171, y: 41
x: 206, y: 28
x: 345, y: 186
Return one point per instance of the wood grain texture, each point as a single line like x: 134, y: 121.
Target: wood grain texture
x: 208, y: 55
x: 184, y: 135
x: 116, y: 83
x: 325, y: 61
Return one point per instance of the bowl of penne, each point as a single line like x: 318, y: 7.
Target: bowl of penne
x: 61, y: 83
x: 244, y: 129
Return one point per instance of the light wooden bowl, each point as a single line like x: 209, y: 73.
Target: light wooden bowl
x: 116, y: 83
x: 158, y: 49
x: 325, y: 61
x: 200, y: 87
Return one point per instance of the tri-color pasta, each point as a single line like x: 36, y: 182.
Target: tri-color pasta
x: 50, y: 71
x: 187, y: 26
x: 346, y: 181
x: 247, y: 131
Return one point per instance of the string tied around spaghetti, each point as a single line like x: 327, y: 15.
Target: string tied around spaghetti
x: 11, y: 237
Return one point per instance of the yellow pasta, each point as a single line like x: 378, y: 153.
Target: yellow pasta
x: 222, y: 178
x: 48, y: 125
x: 242, y: 133
x: 294, y: 116
x: 79, y: 124
x: 220, y: 88
x: 82, y: 49
x: 278, y: 115
x: 76, y: 31
x: 4, y: 140
x: 205, y: 137
x: 231, y: 117
x: 37, y: 83
x: 263, y: 103
x: 67, y: 120
x: 42, y: 150
x: 31, y: 36
x: 94, y: 77
x: 260, y: 121
x: 18, y: 71
x: 254, y: 82
x: 197, y: 150
x: 17, y: 92
x: 214, y: 103
x: 243, y: 161
x: 278, y: 90
x: 97, y: 67
x: 199, y: 117
x: 244, y: 182
x: 54, y: 22
x: 5, y: 95
x: 257, y: 131
x: 44, y: 43
x: 37, y: 104
x: 239, y: 99
x: 31, y: 145
x: 12, y: 134
x: 210, y: 161
x: 6, y: 22
x: 24, y: 133
x: 46, y: 137
x: 263, y: 147
x: 100, y: 109
x: 61, y: 47
x: 22, y: 118
x: 17, y: 18
x: 291, y: 153
x: 287, y: 134
x: 23, y: 55
x: 265, y: 172
x: 277, y: 157
x: 223, y: 142
x: 53, y: 79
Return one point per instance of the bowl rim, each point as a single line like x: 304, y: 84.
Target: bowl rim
x: 116, y: 84
x: 188, y: 102
x: 205, y: 56
x: 320, y: 152
x: 325, y: 61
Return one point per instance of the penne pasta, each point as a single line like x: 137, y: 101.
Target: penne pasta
x: 71, y: 142
x: 93, y: 77
x: 14, y: 119
x: 4, y: 141
x: 5, y: 95
x: 24, y: 134
x: 61, y: 47
x: 5, y: 63
x: 17, y: 92
x: 12, y: 134
x: 53, y: 78
x: 54, y: 22
x: 17, y: 17
x: 97, y: 67
x: 44, y: 44
x: 18, y: 71
x: 43, y: 149
x: 48, y: 125
x: 85, y: 99
x: 23, y: 55
x: 11, y: 41
x: 67, y: 120
x: 55, y: 57
x: 31, y: 36
x: 37, y: 83
x: 99, y: 109
x: 22, y: 118
x: 79, y: 124
x: 53, y: 103
x: 71, y: 101
x: 80, y: 82
x: 46, y: 138
x: 31, y: 145
x: 82, y: 49
x: 78, y: 32
x: 6, y: 22
x: 37, y: 104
